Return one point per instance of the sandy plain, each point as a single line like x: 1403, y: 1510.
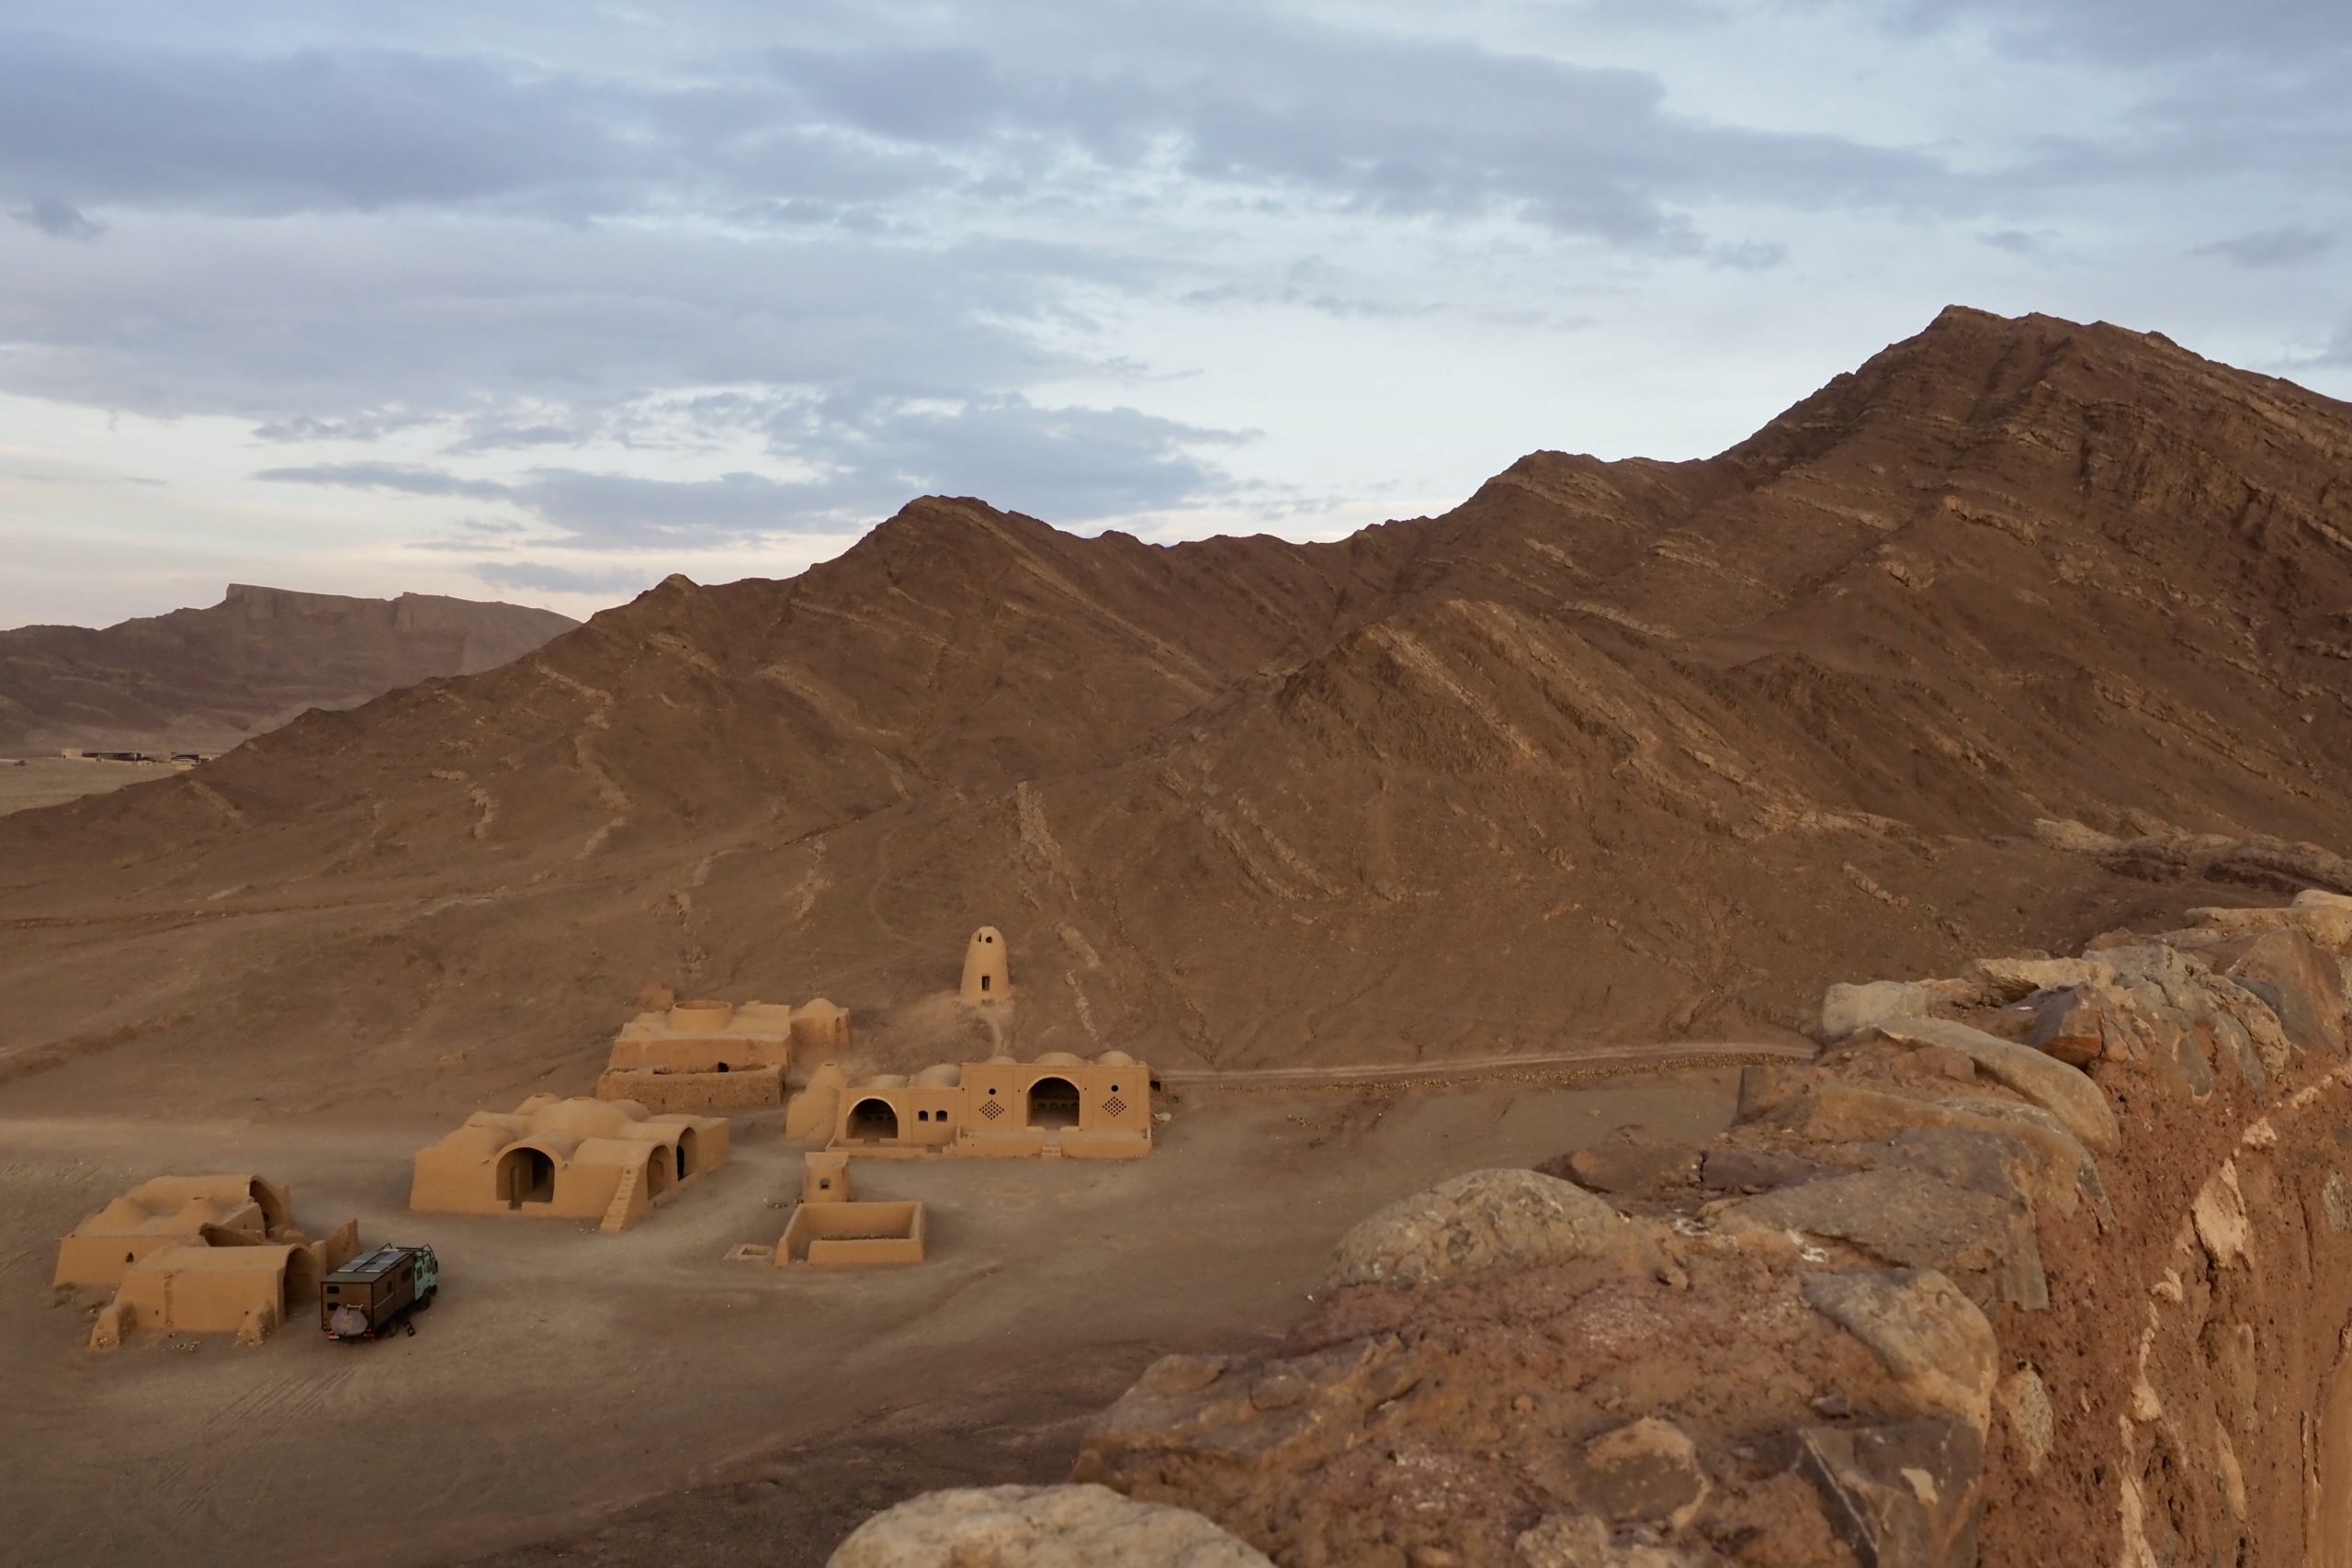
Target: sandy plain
x: 27, y: 782
x: 635, y: 1398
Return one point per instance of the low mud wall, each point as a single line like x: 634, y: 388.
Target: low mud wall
x: 2049, y: 1261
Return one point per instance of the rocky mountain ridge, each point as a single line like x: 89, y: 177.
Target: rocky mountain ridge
x: 2021, y: 631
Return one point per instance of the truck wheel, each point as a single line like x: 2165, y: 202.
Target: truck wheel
x: 426, y: 1300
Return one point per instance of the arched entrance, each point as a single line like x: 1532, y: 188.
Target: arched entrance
x: 525, y: 1175
x: 1053, y: 1102
x: 873, y: 1121
x: 689, y: 1160
x: 302, y: 1277
x: 659, y: 1174
x: 272, y: 1204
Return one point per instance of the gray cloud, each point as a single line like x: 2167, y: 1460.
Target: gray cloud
x: 1075, y: 465
x: 2016, y: 242
x: 398, y: 478
x: 598, y: 509
x: 2302, y: 33
x: 1419, y: 126
x: 886, y: 240
x: 821, y: 225
x: 1383, y: 124
x: 59, y: 220
x: 329, y: 331
x: 542, y: 577
x: 623, y: 509
x: 2289, y: 247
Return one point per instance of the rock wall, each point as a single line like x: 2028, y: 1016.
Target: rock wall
x: 2051, y: 1261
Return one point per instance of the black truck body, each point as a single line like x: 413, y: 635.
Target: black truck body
x: 374, y: 1292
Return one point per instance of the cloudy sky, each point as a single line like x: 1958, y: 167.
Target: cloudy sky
x: 545, y: 302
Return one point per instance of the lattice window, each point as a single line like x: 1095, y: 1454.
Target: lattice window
x: 992, y: 1108
x: 1114, y: 1105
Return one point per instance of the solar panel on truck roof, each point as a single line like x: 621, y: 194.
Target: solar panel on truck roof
x: 372, y: 1266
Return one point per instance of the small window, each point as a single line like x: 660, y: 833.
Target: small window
x: 984, y: 982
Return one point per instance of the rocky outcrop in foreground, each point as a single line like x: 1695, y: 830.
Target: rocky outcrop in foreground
x: 2048, y: 1262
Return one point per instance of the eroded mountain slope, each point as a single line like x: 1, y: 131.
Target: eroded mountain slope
x: 1612, y: 751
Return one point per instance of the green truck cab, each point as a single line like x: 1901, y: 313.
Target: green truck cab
x: 374, y: 1293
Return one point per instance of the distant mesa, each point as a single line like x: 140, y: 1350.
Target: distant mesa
x: 202, y: 681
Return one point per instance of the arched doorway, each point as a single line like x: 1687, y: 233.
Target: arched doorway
x: 659, y: 1172
x: 689, y: 1160
x: 272, y: 1204
x: 1053, y: 1102
x: 302, y: 1277
x: 873, y: 1121
x: 525, y: 1175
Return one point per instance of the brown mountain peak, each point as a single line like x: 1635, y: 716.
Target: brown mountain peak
x: 1613, y: 749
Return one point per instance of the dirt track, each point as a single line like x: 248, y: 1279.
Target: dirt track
x: 565, y: 1374
x: 1557, y: 1068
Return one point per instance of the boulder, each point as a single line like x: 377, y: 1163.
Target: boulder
x: 1932, y: 1339
x: 1645, y: 1471
x: 1630, y: 1168
x: 1757, y: 1170
x: 2000, y: 1164
x: 2007, y: 979
x: 2055, y: 1087
x: 2329, y: 925
x: 2219, y: 1212
x: 1294, y: 1412
x: 2301, y: 985
x: 1835, y: 1111
x: 2319, y: 898
x: 1848, y: 1009
x: 2072, y: 1025
x: 2025, y: 1401
x: 1040, y: 1527
x: 1903, y: 1495
x: 1581, y: 1540
x: 1909, y: 1217
x: 1485, y: 1219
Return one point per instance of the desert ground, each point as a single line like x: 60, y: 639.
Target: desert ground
x: 575, y: 1396
x: 27, y: 782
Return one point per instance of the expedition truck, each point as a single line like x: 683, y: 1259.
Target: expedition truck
x: 373, y: 1292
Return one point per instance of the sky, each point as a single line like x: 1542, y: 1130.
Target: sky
x: 545, y: 302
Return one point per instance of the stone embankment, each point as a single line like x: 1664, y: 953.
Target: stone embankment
x: 2048, y: 1262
